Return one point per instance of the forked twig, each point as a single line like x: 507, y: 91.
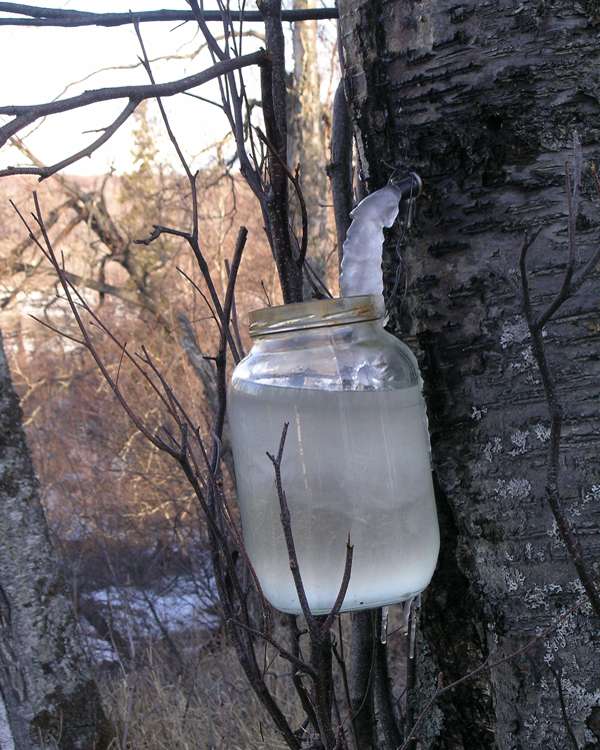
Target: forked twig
x: 538, y: 346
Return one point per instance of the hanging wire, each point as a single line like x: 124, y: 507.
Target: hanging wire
x: 405, y: 225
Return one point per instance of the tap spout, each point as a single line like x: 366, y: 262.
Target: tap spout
x: 410, y: 185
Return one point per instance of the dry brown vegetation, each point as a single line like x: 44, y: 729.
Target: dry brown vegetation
x: 154, y: 708
x: 125, y: 523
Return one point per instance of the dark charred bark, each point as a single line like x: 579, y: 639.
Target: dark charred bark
x: 47, y: 695
x: 340, y: 167
x: 274, y: 97
x: 383, y: 695
x: 362, y: 677
x: 482, y: 101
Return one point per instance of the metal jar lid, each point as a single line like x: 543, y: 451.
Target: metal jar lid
x: 316, y: 314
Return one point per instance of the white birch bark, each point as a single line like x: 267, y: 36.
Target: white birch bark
x: 48, y: 695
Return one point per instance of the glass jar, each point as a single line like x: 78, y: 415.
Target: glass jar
x: 356, y: 459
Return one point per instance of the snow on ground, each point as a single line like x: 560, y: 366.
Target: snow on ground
x: 139, y: 614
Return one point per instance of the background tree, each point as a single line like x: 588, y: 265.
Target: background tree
x: 308, y: 135
x: 47, y: 694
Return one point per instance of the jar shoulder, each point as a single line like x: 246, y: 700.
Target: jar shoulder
x: 347, y: 358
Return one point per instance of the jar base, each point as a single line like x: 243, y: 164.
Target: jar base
x: 351, y: 608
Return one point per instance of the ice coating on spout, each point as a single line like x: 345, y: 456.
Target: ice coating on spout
x: 363, y: 246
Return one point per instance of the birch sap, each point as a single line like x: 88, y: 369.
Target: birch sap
x: 356, y: 462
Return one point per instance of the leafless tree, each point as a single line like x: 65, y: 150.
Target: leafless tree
x: 370, y: 718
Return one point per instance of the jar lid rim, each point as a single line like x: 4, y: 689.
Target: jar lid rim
x: 315, y: 314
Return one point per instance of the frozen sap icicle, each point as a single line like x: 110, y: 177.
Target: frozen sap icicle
x: 363, y: 247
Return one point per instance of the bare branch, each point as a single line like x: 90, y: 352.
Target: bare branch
x: 297, y: 678
x: 283, y: 652
x: 226, y: 337
x: 339, y: 600
x: 277, y: 197
x: 35, y: 16
x: 234, y: 316
x: 54, y: 329
x: 48, y: 250
x: 26, y: 114
x: 107, y: 133
x: 289, y: 538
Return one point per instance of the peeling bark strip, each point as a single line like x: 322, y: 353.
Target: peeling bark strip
x: 339, y: 168
x: 47, y: 695
x: 482, y: 99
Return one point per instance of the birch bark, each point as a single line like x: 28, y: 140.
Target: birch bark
x: 47, y: 695
x: 482, y: 99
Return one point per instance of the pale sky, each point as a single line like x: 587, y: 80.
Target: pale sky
x: 37, y: 64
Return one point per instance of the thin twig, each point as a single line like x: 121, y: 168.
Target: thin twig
x: 563, y: 709
x: 339, y: 600
x: 225, y: 330
x: 234, y: 316
x: 283, y: 652
x: 297, y: 679
x: 192, y: 236
x: 289, y: 538
x: 341, y: 660
x: 538, y: 346
x: 48, y: 251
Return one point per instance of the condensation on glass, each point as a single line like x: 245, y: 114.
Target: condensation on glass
x: 356, y: 459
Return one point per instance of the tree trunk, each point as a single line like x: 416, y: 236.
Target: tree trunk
x: 482, y: 101
x: 307, y: 143
x: 47, y: 695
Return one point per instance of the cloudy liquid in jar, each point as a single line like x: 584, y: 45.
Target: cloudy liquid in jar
x: 355, y: 462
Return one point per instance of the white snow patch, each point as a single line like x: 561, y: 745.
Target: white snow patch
x: 141, y: 613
